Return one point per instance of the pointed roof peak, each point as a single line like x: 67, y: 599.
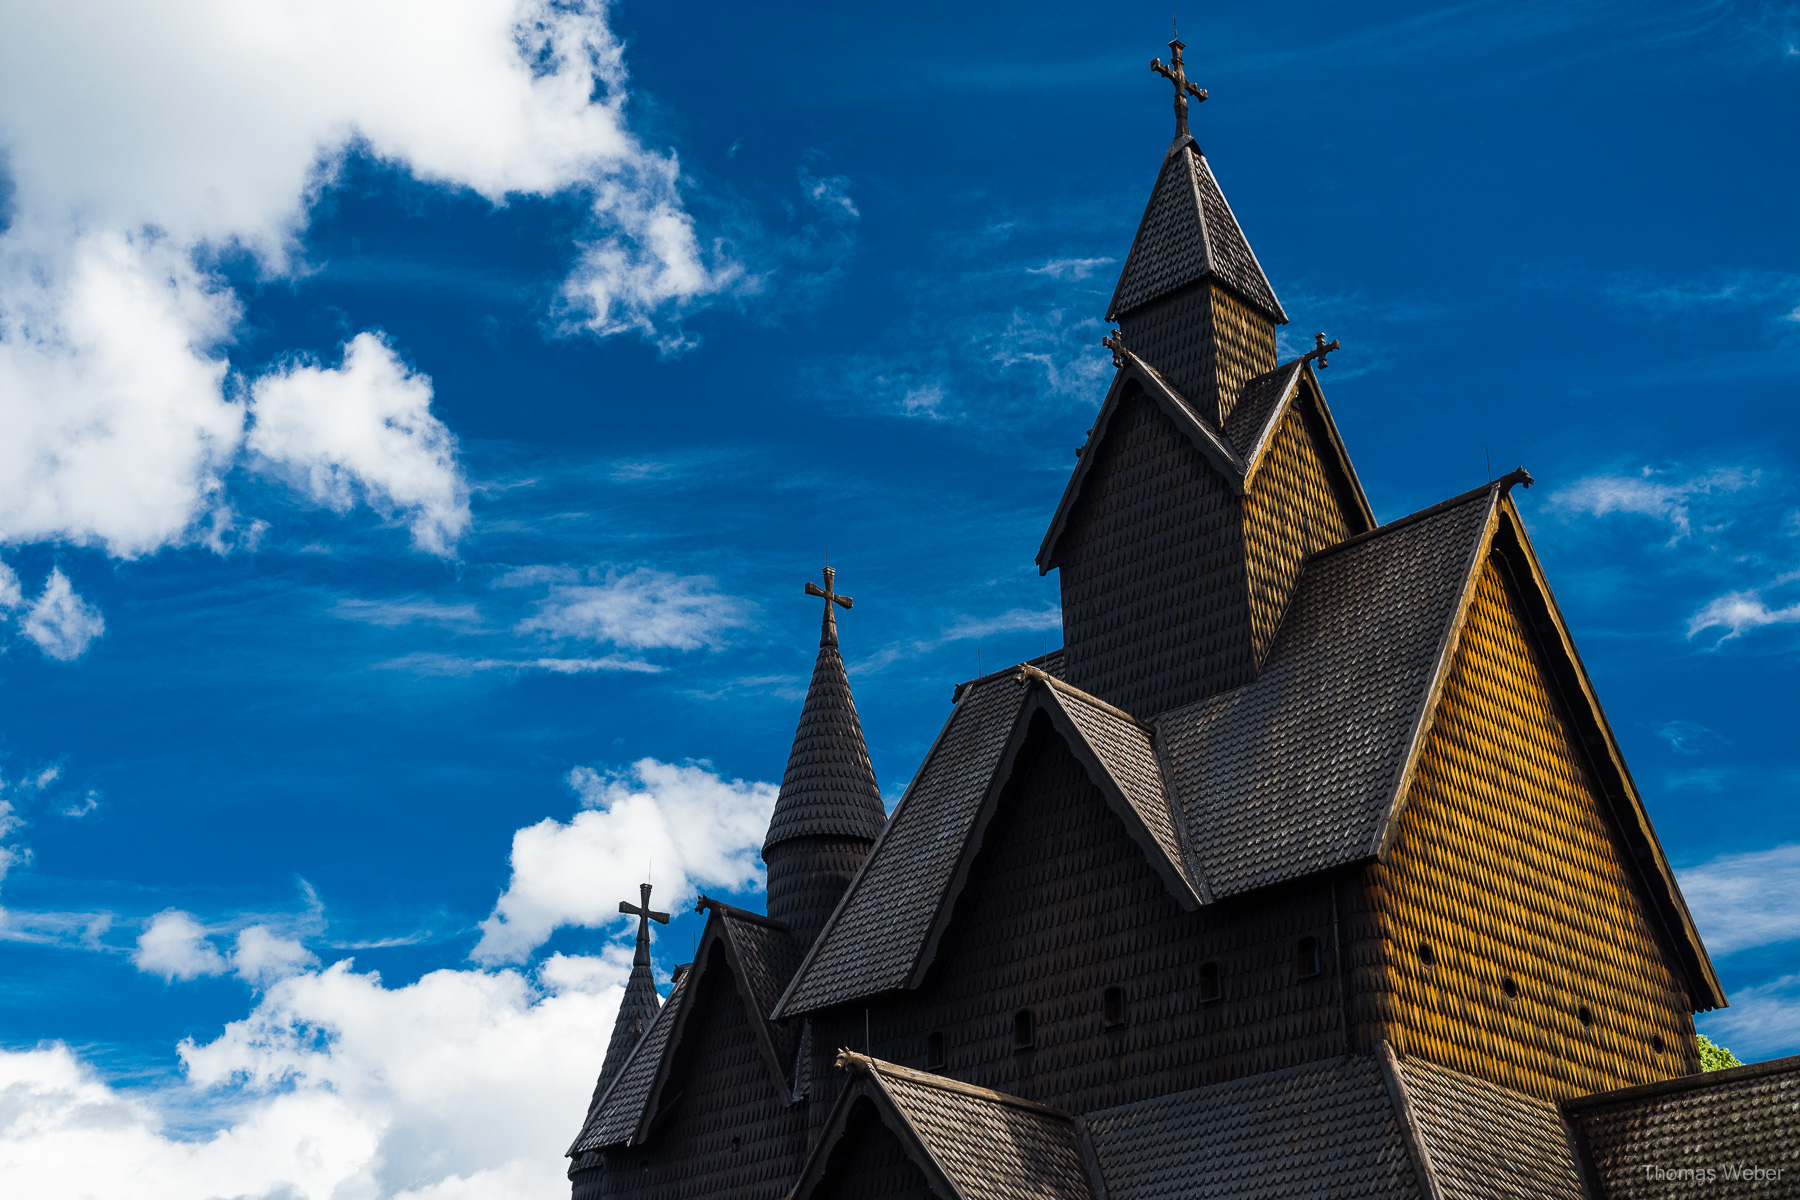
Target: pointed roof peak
x: 1189, y: 233
x: 640, y: 1004
x: 829, y: 789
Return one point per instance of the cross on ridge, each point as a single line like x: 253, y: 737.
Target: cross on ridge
x: 828, y: 625
x: 1176, y: 75
x: 645, y: 914
x: 1320, y: 349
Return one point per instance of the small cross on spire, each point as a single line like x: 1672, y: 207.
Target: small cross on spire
x: 645, y: 914
x: 1177, y: 75
x: 828, y: 625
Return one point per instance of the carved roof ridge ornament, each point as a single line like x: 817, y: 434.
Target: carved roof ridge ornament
x: 1176, y: 74
x: 1320, y: 349
x: 828, y: 624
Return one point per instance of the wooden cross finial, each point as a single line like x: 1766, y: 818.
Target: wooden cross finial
x: 1115, y: 341
x: 1320, y: 349
x: 645, y: 914
x: 828, y: 625
x: 1177, y: 75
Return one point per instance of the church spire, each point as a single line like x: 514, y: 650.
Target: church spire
x: 1192, y: 301
x: 829, y: 811
x: 641, y: 1003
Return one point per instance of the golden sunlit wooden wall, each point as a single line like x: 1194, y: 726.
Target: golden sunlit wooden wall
x: 1504, y: 936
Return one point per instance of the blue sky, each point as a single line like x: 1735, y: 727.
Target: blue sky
x: 417, y: 451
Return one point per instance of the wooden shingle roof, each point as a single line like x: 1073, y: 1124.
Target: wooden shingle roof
x: 1188, y: 233
x: 1723, y: 1121
x: 971, y: 1143
x: 1314, y: 1132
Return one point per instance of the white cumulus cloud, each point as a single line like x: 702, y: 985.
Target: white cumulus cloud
x: 175, y: 946
x: 262, y: 956
x: 334, y: 1087
x: 60, y: 622
x: 696, y: 828
x: 139, y: 144
x: 364, y: 430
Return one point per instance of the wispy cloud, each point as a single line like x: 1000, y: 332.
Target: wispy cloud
x: 1771, y: 290
x: 1648, y: 494
x: 1742, y: 901
x: 1072, y: 268
x: 427, y: 663
x: 963, y: 629
x: 1739, y: 612
x: 1762, y: 1020
x: 1687, y: 737
x: 390, y: 614
x: 639, y: 610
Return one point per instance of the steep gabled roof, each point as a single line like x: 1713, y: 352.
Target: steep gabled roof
x: 1235, y: 452
x: 1117, y: 752
x: 618, y: 1112
x: 1297, y: 771
x: 873, y: 939
x: 886, y: 933
x: 760, y: 957
x: 971, y: 1143
x: 1188, y: 233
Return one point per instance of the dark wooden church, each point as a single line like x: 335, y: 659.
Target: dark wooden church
x: 1309, y: 867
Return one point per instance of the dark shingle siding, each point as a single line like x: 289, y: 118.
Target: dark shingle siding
x: 1724, y: 1120
x: 1487, y: 1142
x: 621, y: 1108
x: 1316, y: 1132
x: 882, y: 924
x: 1295, y: 773
x: 1128, y: 756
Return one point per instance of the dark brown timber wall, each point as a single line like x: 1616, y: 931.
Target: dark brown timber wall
x: 1204, y: 341
x: 1063, y: 906
x: 1155, y: 612
x: 1505, y: 865
x: 870, y: 1164
x: 720, y: 1090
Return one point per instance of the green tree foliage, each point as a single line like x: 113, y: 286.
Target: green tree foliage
x: 1714, y: 1057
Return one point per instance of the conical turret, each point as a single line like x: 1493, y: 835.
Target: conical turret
x: 641, y: 1003
x: 829, y: 811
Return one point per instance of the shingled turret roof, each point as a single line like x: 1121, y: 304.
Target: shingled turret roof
x: 641, y: 1003
x: 1188, y: 233
x: 829, y: 789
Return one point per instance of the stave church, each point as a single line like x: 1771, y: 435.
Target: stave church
x: 1308, y: 867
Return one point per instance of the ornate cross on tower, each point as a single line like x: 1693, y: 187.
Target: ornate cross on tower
x: 1320, y: 349
x: 1183, y: 89
x: 828, y: 625
x: 645, y: 914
